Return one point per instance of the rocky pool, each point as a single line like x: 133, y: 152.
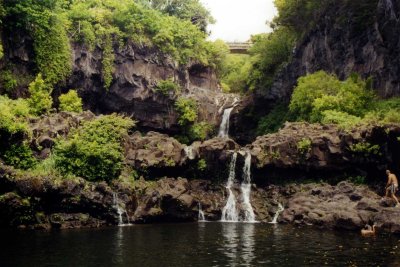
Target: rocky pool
x: 197, y: 244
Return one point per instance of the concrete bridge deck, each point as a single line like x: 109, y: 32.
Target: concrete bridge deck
x: 239, y: 47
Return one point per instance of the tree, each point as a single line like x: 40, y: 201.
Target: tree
x: 192, y: 10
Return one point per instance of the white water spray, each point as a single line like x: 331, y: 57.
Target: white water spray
x: 201, y: 217
x: 246, y: 190
x: 224, y: 127
x: 189, y: 152
x: 120, y: 208
x: 279, y: 211
x: 229, y: 212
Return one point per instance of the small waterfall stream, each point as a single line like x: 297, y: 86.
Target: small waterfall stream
x: 201, y: 217
x: 276, y: 216
x: 120, y: 208
x: 224, y: 127
x: 229, y: 212
x: 246, y: 190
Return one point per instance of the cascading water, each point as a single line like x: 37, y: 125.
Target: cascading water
x: 246, y: 190
x: 279, y: 211
x: 189, y: 152
x: 224, y: 127
x: 120, y: 210
x: 201, y: 217
x: 229, y: 212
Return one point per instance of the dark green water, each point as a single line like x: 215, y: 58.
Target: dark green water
x: 203, y: 244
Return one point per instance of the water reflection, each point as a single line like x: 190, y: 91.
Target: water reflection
x: 239, y: 243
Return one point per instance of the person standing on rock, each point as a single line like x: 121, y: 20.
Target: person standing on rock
x: 392, y: 186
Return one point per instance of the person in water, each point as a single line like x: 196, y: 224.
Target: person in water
x: 392, y: 186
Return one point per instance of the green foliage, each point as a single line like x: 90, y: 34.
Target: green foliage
x: 202, y: 165
x: 20, y: 156
x: 40, y: 100
x: 199, y: 131
x: 1, y: 50
x: 366, y: 149
x: 343, y: 119
x: 319, y: 92
x: 304, y: 146
x: 13, y: 116
x: 268, y: 54
x: 191, y: 10
x: 358, y: 180
x: 107, y: 62
x: 235, y: 73
x: 299, y: 15
x: 274, y: 120
x: 8, y: 80
x: 95, y: 150
x: 70, y: 102
x: 187, y: 110
x: 166, y: 87
x: 44, y: 21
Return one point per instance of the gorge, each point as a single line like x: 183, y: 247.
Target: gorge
x: 122, y: 113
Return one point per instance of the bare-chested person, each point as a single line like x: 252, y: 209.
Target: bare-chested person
x: 392, y: 186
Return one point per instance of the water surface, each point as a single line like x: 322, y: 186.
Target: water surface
x: 203, y: 244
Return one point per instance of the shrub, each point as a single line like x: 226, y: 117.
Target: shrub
x: 8, y: 81
x: 366, y: 149
x: 273, y: 121
x: 187, y: 110
x: 70, y: 102
x: 304, y: 146
x: 318, y: 92
x: 202, y: 165
x: 200, y: 131
x: 20, y: 156
x: 13, y: 116
x: 40, y: 100
x: 95, y: 150
x: 167, y: 86
x: 343, y: 119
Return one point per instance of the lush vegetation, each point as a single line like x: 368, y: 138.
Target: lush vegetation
x: 191, y: 128
x: 14, y: 131
x: 70, y: 102
x: 166, y: 87
x: 40, y: 100
x: 191, y: 10
x: 323, y: 98
x: 94, y: 151
x: 176, y: 28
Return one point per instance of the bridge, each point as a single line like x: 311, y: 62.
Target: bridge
x: 239, y: 48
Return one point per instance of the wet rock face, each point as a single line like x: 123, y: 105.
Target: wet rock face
x: 153, y: 150
x: 336, y: 47
x: 313, y: 147
x: 136, y: 73
x: 344, y: 206
x: 48, y: 202
x: 47, y: 128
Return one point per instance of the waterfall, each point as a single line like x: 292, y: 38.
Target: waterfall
x: 120, y: 208
x: 246, y: 190
x: 224, y: 127
x: 229, y: 212
x: 189, y: 152
x: 280, y: 209
x: 201, y: 217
